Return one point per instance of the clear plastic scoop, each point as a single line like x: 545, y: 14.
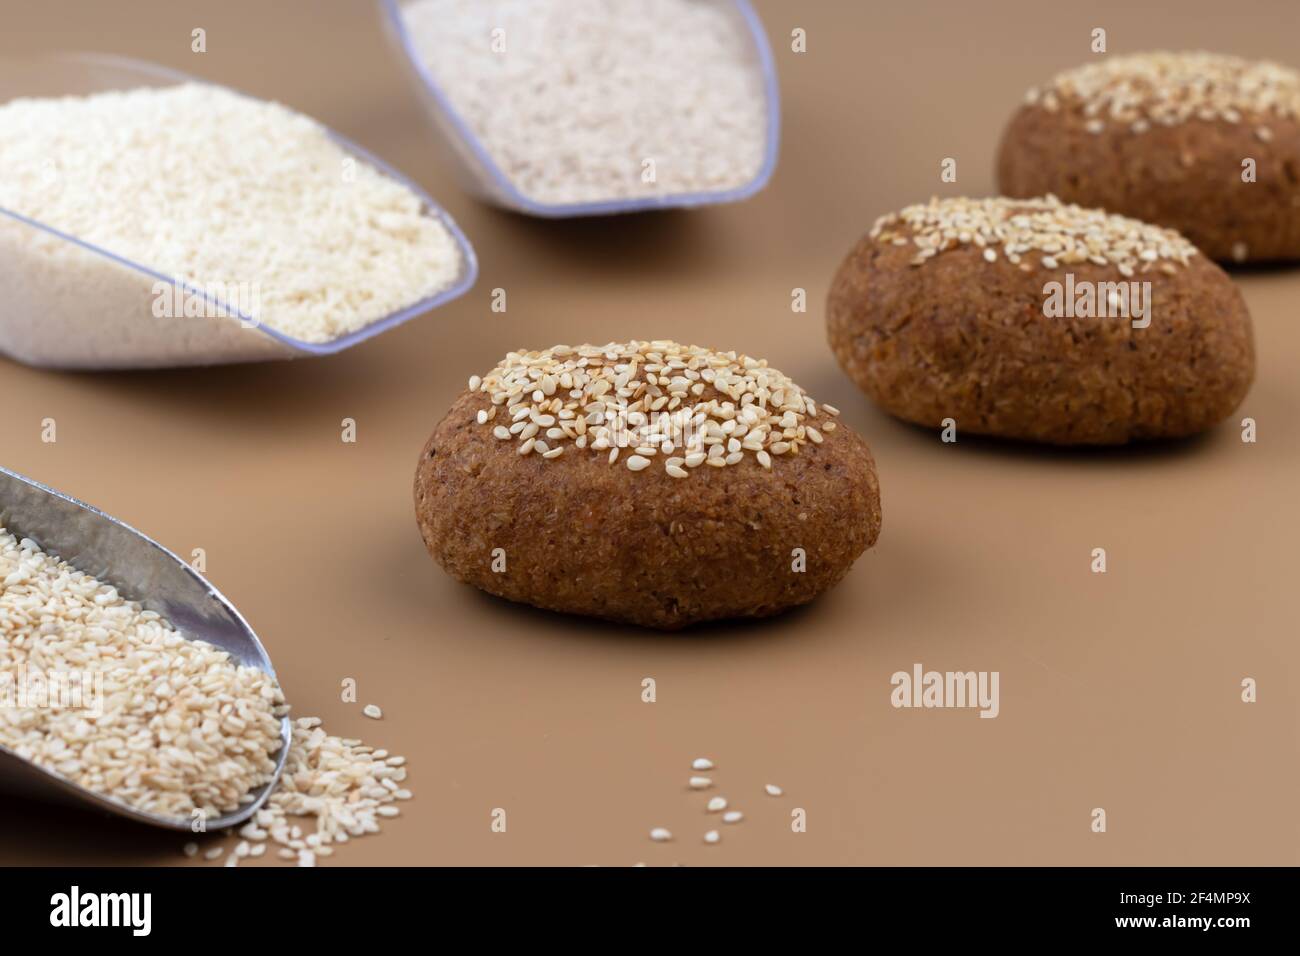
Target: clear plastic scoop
x: 482, y: 175
x: 72, y: 304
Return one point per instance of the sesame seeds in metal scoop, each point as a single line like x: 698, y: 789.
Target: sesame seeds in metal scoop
x: 673, y: 406
x: 1032, y: 233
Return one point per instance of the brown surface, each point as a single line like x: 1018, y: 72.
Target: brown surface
x: 958, y: 337
x: 1118, y: 690
x: 643, y: 547
x: 1186, y: 176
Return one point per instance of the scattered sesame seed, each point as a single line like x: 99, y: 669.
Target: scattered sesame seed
x: 732, y: 816
x: 213, y: 852
x: 700, y: 783
x: 638, y: 462
x: 372, y: 711
x: 712, y: 836
x: 190, y: 849
x: 661, y: 835
x: 773, y: 790
x: 701, y: 763
x: 717, y: 803
x: 1240, y: 252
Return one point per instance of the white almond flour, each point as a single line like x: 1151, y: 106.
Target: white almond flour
x: 571, y: 98
x: 113, y: 698
x: 221, y: 191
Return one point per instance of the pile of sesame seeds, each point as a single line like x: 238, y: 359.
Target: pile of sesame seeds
x: 346, y: 787
x: 1147, y: 89
x: 683, y: 405
x: 1034, y: 232
x: 160, y: 723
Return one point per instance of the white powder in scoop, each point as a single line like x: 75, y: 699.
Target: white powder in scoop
x: 571, y: 98
x: 222, y: 190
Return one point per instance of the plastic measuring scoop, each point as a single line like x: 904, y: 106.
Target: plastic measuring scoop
x: 483, y: 177
x: 47, y: 316
x: 144, y: 570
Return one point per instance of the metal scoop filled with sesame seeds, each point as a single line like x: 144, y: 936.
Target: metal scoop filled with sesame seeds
x: 139, y: 724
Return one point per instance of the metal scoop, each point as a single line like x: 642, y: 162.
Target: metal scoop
x: 144, y: 571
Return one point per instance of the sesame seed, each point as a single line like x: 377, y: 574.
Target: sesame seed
x: 211, y: 724
x: 1173, y: 88
x: 213, y: 852
x: 372, y: 711
x: 691, y: 405
x: 191, y: 849
x: 732, y: 816
x: 773, y: 790
x: 712, y: 836
x: 661, y: 835
x: 1058, y: 232
x: 700, y: 783
x: 990, y: 255
x: 637, y: 462
x: 716, y: 804
x: 701, y: 763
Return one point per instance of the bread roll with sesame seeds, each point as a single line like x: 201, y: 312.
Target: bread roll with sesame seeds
x: 978, y: 311
x: 586, y: 480
x: 1167, y: 138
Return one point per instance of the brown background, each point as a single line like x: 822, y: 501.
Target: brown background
x: 1118, y: 691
